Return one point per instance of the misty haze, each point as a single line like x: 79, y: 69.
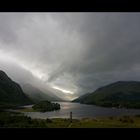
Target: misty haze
x: 69, y: 69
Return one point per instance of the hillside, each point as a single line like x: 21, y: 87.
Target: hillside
x: 11, y: 92
x: 118, y: 94
x: 81, y: 98
x: 36, y: 94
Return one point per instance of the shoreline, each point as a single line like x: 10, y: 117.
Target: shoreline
x: 13, y: 120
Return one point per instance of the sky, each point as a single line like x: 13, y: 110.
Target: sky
x: 74, y: 53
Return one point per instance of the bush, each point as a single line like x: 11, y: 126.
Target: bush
x: 111, y: 118
x: 48, y: 120
x: 126, y: 119
x: 12, y: 120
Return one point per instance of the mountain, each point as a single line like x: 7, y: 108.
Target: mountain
x: 81, y: 98
x: 23, y: 76
x: 36, y: 94
x: 118, y: 94
x: 11, y: 92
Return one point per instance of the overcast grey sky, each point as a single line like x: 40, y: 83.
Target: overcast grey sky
x: 77, y: 52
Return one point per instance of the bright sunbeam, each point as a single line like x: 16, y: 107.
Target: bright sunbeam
x: 9, y: 58
x: 63, y: 90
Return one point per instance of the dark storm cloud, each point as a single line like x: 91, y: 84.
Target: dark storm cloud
x: 76, y: 51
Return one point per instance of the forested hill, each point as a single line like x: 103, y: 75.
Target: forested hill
x: 118, y: 94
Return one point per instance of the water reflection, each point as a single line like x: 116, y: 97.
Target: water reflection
x: 82, y: 111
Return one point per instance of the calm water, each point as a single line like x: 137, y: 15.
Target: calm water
x: 82, y: 111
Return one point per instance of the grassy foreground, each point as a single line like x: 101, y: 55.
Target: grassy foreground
x: 18, y: 120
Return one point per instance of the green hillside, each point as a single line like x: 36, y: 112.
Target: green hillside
x: 118, y: 94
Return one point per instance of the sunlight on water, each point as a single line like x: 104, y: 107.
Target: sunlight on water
x: 82, y: 111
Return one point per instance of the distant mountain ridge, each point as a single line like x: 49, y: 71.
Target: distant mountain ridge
x: 118, y: 94
x: 36, y: 94
x: 11, y: 92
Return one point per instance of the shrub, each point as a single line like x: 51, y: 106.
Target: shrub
x: 126, y: 119
x: 111, y: 118
x: 48, y: 120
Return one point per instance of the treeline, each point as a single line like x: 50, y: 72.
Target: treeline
x: 44, y: 106
x: 120, y: 104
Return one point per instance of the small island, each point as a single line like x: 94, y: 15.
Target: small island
x: 44, y: 106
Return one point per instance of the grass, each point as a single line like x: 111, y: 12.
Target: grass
x: 18, y: 120
x: 116, y: 122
